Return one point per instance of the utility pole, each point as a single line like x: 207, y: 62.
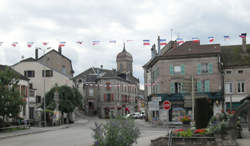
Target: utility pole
x: 193, y: 99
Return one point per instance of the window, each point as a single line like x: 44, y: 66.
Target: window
x: 108, y: 97
x: 108, y: 86
x: 203, y: 86
x: 30, y: 86
x: 240, y: 71
x: 48, y: 73
x: 63, y: 69
x: 38, y: 99
x: 241, y: 87
x: 228, y: 88
x: 204, y: 68
x: 23, y: 91
x: 91, y: 92
x: 177, y: 69
x: 176, y: 87
x: 228, y: 72
x: 29, y: 73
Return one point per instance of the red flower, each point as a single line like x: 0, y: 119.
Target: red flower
x: 200, y: 131
x: 179, y: 130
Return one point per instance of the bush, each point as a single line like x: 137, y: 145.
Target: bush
x: 116, y: 132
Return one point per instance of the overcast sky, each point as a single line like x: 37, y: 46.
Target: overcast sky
x: 121, y: 20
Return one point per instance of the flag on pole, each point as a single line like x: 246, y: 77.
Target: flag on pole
x: 226, y: 37
x: 29, y: 44
x: 79, y: 42
x: 45, y: 43
x: 195, y: 39
x: 179, y: 40
x: 95, y: 42
x: 62, y: 44
x: 163, y: 42
x: 243, y: 35
x: 1, y: 43
x: 211, y: 39
x: 112, y: 41
x: 14, y: 44
x: 146, y: 42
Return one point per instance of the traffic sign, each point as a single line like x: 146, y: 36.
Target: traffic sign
x: 166, y: 105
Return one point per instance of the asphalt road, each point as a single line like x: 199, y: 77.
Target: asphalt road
x: 78, y: 135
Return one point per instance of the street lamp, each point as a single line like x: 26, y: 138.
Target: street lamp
x: 44, y: 100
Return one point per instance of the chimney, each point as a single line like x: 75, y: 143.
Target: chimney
x: 153, y: 51
x: 159, y: 45
x: 60, y: 50
x: 244, y: 37
x: 36, y: 54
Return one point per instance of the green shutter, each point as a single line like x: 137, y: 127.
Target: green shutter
x: 172, y: 89
x: 210, y: 68
x: 171, y: 69
x: 181, y: 87
x: 199, y: 69
x: 207, y: 86
x: 182, y: 69
x: 199, y: 86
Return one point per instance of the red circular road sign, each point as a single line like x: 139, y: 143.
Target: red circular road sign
x: 166, y: 105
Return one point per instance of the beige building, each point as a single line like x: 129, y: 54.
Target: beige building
x: 236, y: 64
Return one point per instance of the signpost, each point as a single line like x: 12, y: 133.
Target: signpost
x: 166, y: 105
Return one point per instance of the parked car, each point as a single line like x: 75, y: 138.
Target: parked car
x: 136, y: 115
x: 142, y: 115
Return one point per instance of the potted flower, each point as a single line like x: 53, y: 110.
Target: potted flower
x: 185, y: 120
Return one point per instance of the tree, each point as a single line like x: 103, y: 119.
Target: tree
x: 10, y: 99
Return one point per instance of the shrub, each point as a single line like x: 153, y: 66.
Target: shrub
x: 116, y: 132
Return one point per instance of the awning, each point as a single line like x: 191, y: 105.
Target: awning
x: 235, y: 105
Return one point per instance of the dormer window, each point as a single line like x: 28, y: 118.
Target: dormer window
x: 228, y: 72
x: 240, y: 71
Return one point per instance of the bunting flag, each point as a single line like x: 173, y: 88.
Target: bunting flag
x: 146, y: 42
x: 226, y: 37
x: 179, y: 40
x: 14, y: 44
x: 79, y: 42
x: 95, y: 42
x: 45, y: 43
x: 29, y: 44
x: 1, y: 43
x: 112, y: 41
x: 210, y: 39
x: 62, y: 44
x: 243, y: 35
x: 195, y: 39
x: 163, y: 42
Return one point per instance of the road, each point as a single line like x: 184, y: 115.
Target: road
x: 78, y: 134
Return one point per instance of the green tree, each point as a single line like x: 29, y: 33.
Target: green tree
x: 10, y: 99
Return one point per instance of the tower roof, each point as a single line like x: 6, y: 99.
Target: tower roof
x: 124, y: 55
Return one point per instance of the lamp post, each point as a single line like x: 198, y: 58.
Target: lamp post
x: 44, y: 99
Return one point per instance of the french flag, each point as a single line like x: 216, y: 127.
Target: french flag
x: 79, y: 42
x: 45, y: 43
x: 211, y: 39
x: 226, y: 37
x: 146, y: 42
x: 163, y: 42
x: 195, y: 39
x: 29, y: 44
x: 243, y: 35
x: 179, y: 40
x: 95, y: 43
x: 14, y: 44
x: 62, y: 44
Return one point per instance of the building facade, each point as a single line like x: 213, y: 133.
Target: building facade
x: 184, y: 74
x: 107, y: 93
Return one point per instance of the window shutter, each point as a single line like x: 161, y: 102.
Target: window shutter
x: 199, y: 86
x: 181, y: 87
x: 171, y: 69
x: 104, y: 97
x: 207, y: 86
x: 182, y: 69
x: 172, y: 90
x: 199, y: 69
x: 210, y: 68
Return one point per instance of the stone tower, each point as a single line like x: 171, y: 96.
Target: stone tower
x: 124, y: 61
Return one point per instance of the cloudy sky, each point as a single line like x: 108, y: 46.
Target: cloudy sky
x: 87, y: 20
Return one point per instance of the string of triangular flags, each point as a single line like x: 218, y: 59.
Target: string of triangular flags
x: 146, y: 42
x: 110, y: 85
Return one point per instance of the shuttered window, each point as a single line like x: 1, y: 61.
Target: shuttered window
x: 207, y: 86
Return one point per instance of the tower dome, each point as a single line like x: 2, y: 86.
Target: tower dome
x: 124, y: 61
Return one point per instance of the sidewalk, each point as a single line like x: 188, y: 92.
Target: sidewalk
x: 245, y: 140
x: 34, y: 130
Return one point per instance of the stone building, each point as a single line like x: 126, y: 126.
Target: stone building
x: 107, y: 93
x: 236, y: 65
x: 172, y: 73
